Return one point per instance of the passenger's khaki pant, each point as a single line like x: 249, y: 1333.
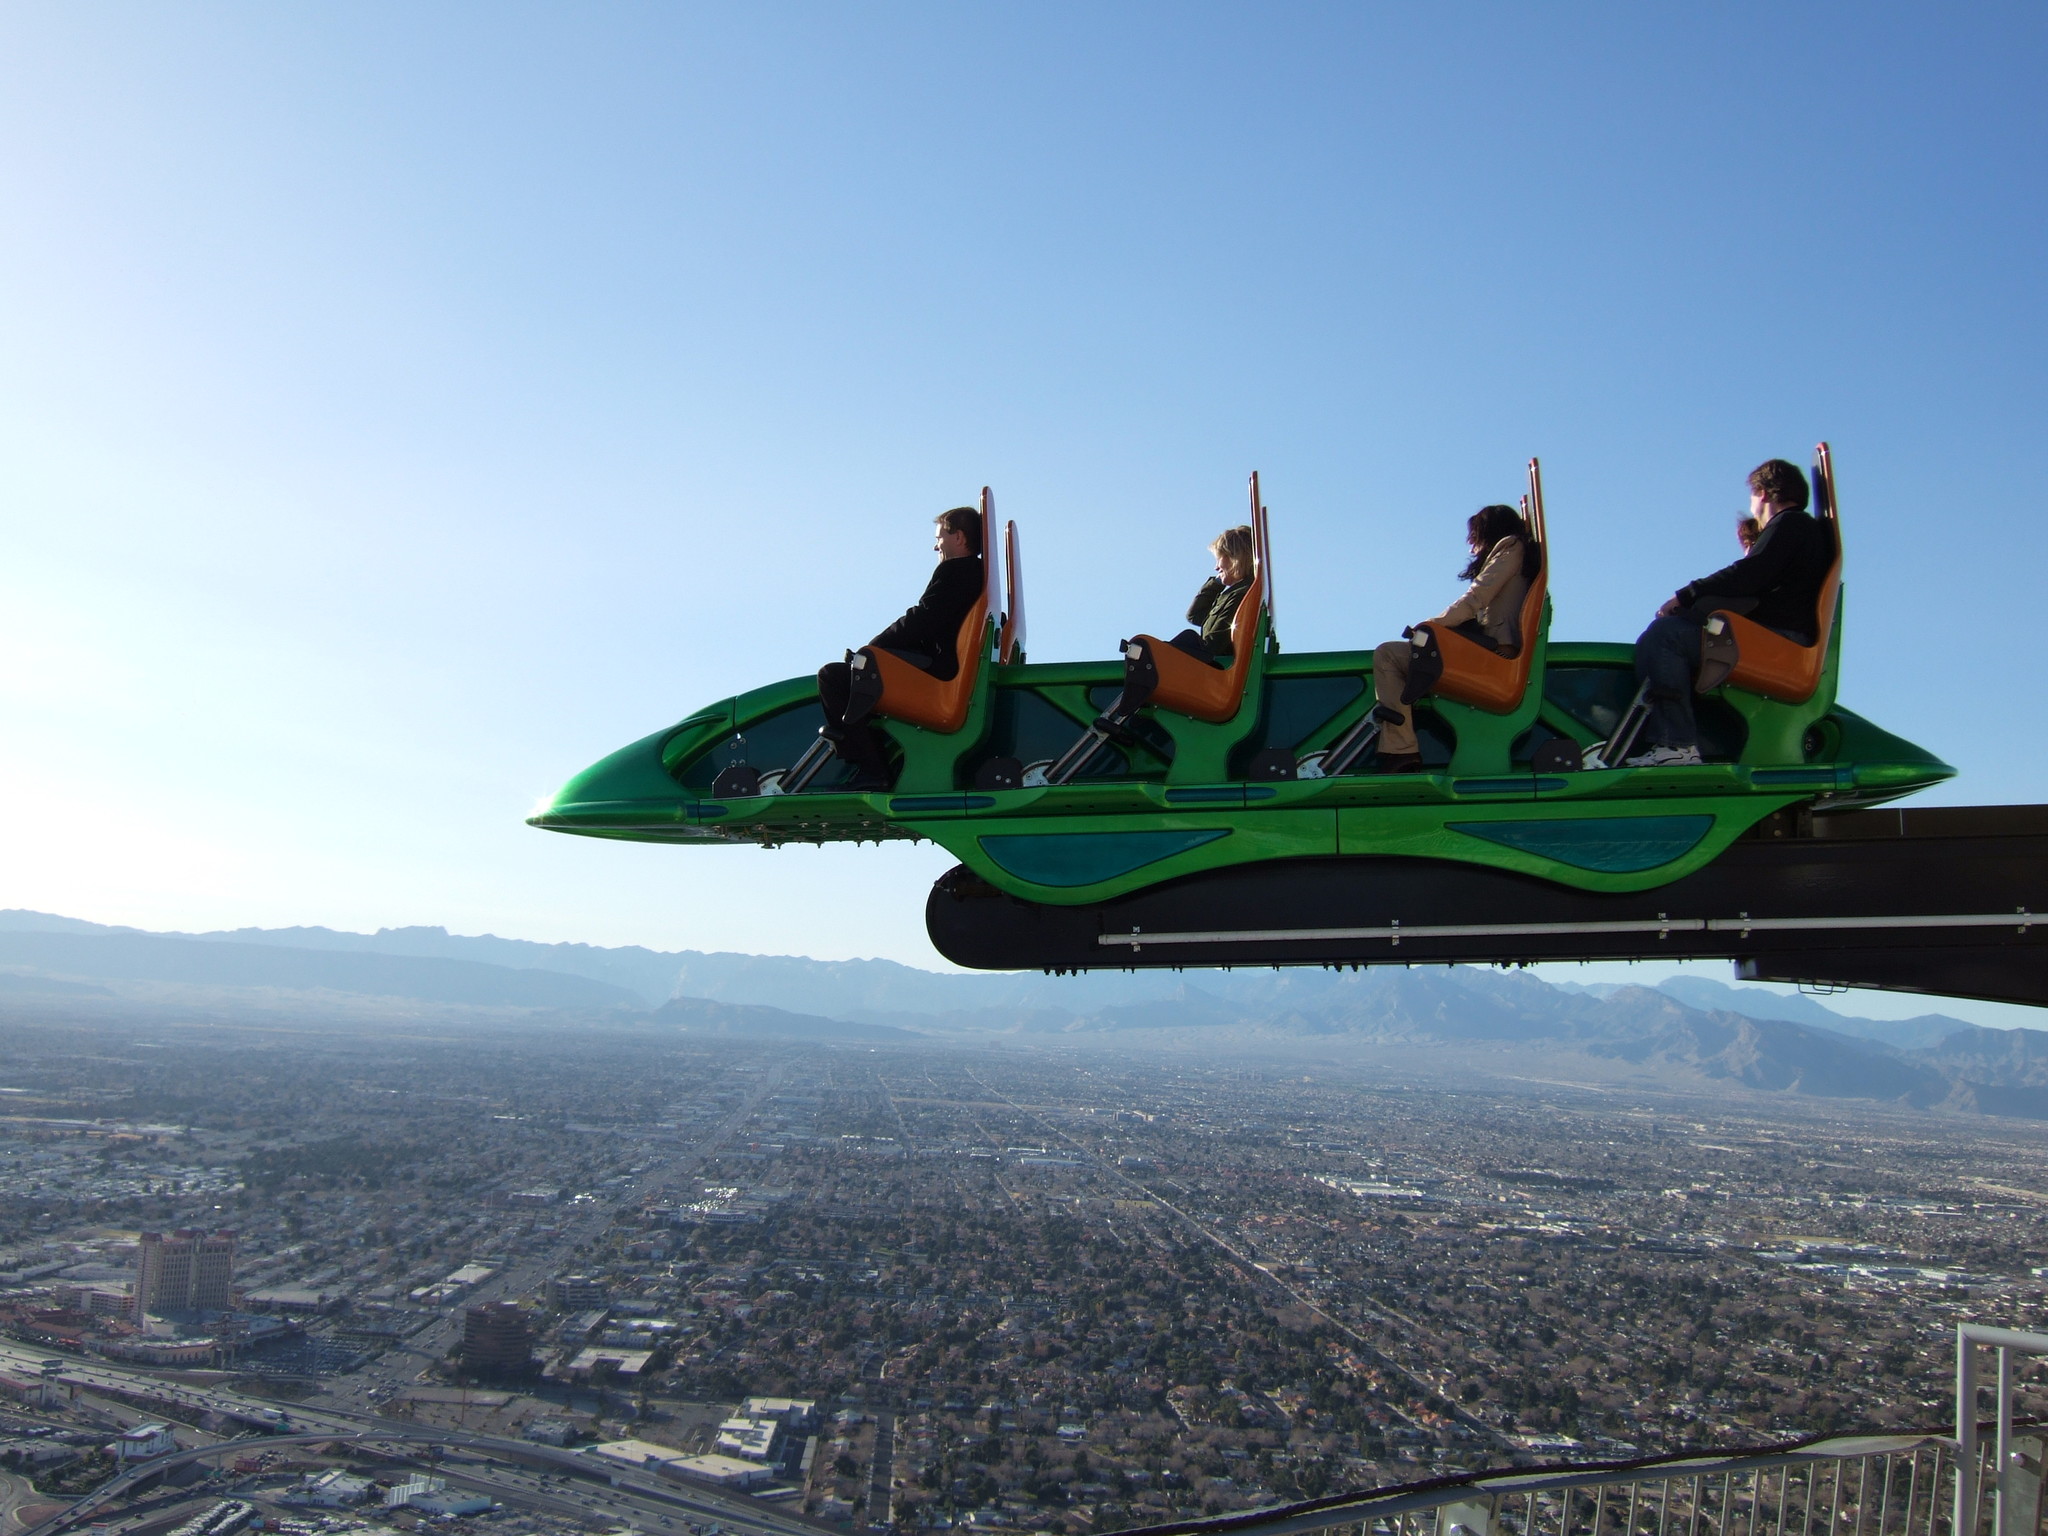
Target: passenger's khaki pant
x: 1389, y: 678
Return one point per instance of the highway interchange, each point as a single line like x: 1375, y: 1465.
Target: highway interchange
x: 532, y: 1475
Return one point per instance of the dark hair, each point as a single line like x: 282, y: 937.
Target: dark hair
x: 1487, y: 527
x: 1747, y: 529
x: 963, y: 520
x: 1775, y: 480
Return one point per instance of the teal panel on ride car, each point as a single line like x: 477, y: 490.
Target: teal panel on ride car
x: 1616, y: 845
x: 1084, y: 858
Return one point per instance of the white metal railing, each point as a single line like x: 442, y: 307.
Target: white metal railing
x: 1922, y: 1483
x: 1866, y: 1485
x: 2016, y: 1460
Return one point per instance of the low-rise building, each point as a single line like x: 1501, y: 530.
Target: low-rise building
x: 21, y: 1387
x: 398, y: 1495
x: 160, y: 1351
x: 757, y: 1432
x: 451, y: 1501
x: 577, y: 1293
x: 145, y: 1441
x: 333, y: 1489
x: 792, y: 1413
x: 636, y: 1453
x: 433, y: 1496
x: 37, y: 1455
x: 753, y: 1439
x: 723, y: 1471
x: 101, y: 1300
x: 294, y: 1298
x: 600, y: 1364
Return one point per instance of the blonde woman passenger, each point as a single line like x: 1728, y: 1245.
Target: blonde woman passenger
x: 1214, y: 609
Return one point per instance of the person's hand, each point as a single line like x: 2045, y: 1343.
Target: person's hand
x: 1670, y: 607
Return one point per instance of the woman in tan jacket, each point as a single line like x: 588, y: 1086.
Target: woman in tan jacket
x: 1489, y: 612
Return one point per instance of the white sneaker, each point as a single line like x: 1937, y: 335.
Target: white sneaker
x: 1668, y: 757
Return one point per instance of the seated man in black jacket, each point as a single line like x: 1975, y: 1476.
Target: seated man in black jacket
x: 925, y: 637
x: 1777, y: 584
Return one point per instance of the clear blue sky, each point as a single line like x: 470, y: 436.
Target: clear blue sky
x: 401, y: 406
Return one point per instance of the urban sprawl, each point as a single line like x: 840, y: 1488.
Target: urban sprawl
x: 610, y: 1280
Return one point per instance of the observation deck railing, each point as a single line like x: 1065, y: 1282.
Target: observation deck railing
x: 1912, y: 1483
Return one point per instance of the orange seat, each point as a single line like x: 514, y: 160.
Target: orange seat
x: 1485, y: 678
x: 914, y: 696
x: 1768, y: 663
x: 1201, y: 690
x: 1191, y: 686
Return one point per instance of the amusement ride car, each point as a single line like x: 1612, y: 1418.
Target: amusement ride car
x: 1159, y: 810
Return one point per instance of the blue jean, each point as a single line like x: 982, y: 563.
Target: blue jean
x: 1668, y: 656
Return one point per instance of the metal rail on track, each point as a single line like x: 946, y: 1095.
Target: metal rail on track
x: 2019, y: 920
x: 1951, y: 899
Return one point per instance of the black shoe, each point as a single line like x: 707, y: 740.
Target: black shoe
x: 866, y: 784
x: 1400, y: 762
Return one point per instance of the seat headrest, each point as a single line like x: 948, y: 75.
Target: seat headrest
x: 1245, y: 624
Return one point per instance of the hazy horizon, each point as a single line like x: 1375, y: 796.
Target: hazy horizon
x: 1854, y: 1004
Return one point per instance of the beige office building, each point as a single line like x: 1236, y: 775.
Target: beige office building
x: 186, y: 1271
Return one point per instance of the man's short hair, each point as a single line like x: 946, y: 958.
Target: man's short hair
x: 967, y: 521
x: 1777, y: 481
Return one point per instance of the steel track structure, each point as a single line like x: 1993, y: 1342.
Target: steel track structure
x: 1945, y: 900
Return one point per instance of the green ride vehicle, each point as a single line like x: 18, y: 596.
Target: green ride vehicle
x: 1250, y: 787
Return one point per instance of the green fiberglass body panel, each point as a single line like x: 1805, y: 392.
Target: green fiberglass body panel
x: 1177, y: 799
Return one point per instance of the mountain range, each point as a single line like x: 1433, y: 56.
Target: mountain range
x: 1688, y: 1029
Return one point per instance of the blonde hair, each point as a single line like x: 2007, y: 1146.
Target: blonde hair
x: 1234, y: 547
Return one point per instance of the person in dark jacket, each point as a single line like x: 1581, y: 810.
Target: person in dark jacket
x: 1776, y: 584
x: 926, y: 636
x: 1213, y: 613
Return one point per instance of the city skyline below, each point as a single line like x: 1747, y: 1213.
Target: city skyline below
x: 619, y: 1274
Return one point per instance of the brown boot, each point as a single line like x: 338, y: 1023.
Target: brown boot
x: 1400, y: 762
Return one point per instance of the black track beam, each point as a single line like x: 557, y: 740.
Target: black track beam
x: 1903, y: 899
